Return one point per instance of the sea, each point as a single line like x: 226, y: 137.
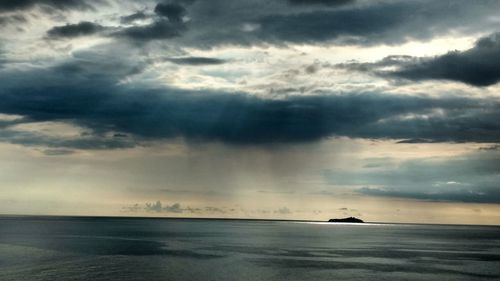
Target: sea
x: 113, y: 248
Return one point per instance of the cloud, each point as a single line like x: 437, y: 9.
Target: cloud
x: 476, y: 66
x: 310, y: 22
x: 16, y: 19
x: 74, y: 30
x: 94, y: 90
x: 85, y: 91
x: 491, y: 195
x: 58, y: 145
x: 140, y: 15
x: 159, y: 208
x: 472, y: 178
x: 173, y: 12
x: 15, y: 5
x: 491, y: 148
x: 321, y: 2
x: 196, y: 61
x: 58, y: 152
x: 160, y: 29
x: 211, y: 209
x: 168, y: 24
x: 205, y: 24
x: 174, y: 208
x: 283, y: 211
x: 154, y: 207
x: 132, y: 209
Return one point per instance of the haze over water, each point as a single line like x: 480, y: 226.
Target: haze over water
x: 86, y: 248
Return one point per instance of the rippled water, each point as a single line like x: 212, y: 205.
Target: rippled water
x: 70, y: 248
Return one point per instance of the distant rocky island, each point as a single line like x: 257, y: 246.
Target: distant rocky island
x: 348, y: 220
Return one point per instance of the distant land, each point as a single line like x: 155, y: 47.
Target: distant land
x: 349, y: 220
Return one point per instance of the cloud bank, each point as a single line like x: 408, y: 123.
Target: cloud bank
x: 477, y: 66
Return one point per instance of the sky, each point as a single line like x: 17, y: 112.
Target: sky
x: 385, y: 110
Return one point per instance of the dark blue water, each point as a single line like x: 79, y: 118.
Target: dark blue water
x: 70, y: 248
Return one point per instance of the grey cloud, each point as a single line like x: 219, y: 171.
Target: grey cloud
x: 365, y: 23
x: 12, y: 20
x: 154, y: 207
x: 174, y: 208
x: 168, y: 24
x: 477, y: 66
x: 15, y: 5
x: 89, y: 99
x: 160, y: 29
x: 471, y: 178
x: 213, y: 23
x: 174, y: 12
x: 119, y: 135
x: 132, y: 209
x: 283, y: 211
x: 58, y: 152
x: 371, y: 26
x: 196, y: 61
x: 321, y: 2
x: 74, y: 30
x: 140, y: 15
x: 491, y: 148
x: 58, y: 144
x: 417, y: 140
x: 490, y: 195
x: 86, y: 91
x: 158, y: 207
x: 211, y: 209
x: 194, y: 210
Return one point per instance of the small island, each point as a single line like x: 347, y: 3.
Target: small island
x: 347, y: 220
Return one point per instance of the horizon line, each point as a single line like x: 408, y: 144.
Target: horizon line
x: 227, y: 219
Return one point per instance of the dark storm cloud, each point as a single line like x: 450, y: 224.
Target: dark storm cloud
x: 15, y: 5
x: 87, y: 94
x: 88, y: 91
x: 477, y: 66
x: 74, y: 30
x: 367, y: 23
x: 196, y: 61
x: 205, y: 24
x: 173, y: 12
x: 213, y: 23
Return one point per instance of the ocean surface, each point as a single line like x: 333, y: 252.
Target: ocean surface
x: 84, y: 248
